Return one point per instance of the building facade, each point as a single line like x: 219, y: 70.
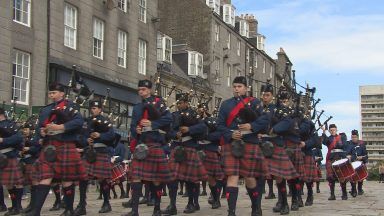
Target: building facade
x: 372, y: 121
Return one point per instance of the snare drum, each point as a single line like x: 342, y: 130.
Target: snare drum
x: 118, y: 171
x: 343, y: 169
x: 361, y: 172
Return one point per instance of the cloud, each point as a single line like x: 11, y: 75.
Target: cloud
x: 316, y: 33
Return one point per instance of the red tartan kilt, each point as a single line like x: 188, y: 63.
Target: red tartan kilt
x: 11, y: 175
x: 251, y: 165
x: 67, y: 167
x: 154, y: 167
x: 298, y: 157
x: 279, y: 165
x: 192, y: 169
x: 310, y: 169
x: 101, y: 169
x: 128, y: 171
x: 29, y: 169
x: 212, y: 165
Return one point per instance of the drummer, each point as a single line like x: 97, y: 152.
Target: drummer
x: 117, y: 160
x: 337, y: 149
x: 358, y: 152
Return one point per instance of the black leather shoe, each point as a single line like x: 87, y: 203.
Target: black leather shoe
x: 3, y: 208
x: 318, y: 190
x: 55, y: 207
x: 189, y: 209
x: 170, y: 210
x: 216, y: 204
x: 143, y: 200
x: 151, y: 202
x: 344, y: 197
x: 284, y: 210
x: 12, y: 211
x: 105, y: 208
x: 332, y: 197
x: 127, y: 204
x: 309, y: 201
x: 277, y: 207
x: 68, y: 213
x: 270, y: 196
x: 27, y: 209
x: 80, y: 210
x: 231, y: 213
x: 130, y: 214
x: 180, y: 193
x: 196, y: 206
x: 361, y: 192
x: 156, y: 213
x: 294, y: 205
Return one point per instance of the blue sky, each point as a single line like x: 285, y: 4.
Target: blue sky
x: 335, y: 45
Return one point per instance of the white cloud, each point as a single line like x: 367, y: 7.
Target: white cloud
x: 315, y: 34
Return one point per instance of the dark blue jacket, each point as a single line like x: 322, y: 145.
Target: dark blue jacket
x: 162, y: 123
x: 259, y: 125
x: 358, y: 149
x: 14, y: 141
x: 196, y: 131
x: 316, y: 152
x: 34, y: 150
x: 106, y: 137
x: 72, y: 127
x: 214, y: 138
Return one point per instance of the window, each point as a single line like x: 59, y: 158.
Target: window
x: 271, y: 72
x: 244, y: 28
x: 142, y: 57
x: 260, y: 42
x: 214, y: 4
x: 20, y: 77
x: 122, y: 5
x: 229, y: 14
x: 255, y: 60
x: 217, y: 69
x: 143, y: 11
x: 217, y: 32
x: 228, y: 75
x: 70, y: 26
x: 98, y: 38
x: 164, y: 48
x: 195, y: 64
x: 238, y: 72
x: 238, y: 47
x: 247, y: 55
x: 229, y: 40
x: 264, y: 66
x: 121, y: 48
x: 22, y: 12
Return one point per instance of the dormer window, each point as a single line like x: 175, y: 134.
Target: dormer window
x: 195, y: 64
x: 229, y: 14
x: 164, y: 48
x: 215, y: 5
x: 244, y: 28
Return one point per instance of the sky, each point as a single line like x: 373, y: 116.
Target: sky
x: 334, y: 45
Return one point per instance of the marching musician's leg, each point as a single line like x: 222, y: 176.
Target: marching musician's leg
x: 360, y: 187
x: 81, y: 207
x: 157, y: 191
x: 69, y: 198
x: 318, y: 186
x: 105, y: 187
x: 271, y: 195
x: 3, y: 207
x: 56, y: 190
x: 309, y: 200
x: 331, y: 184
x: 43, y: 189
x: 254, y: 190
x: 343, y: 186
x: 171, y: 209
x: 232, y: 192
x: 204, y: 186
x: 353, y: 189
x: 136, y: 187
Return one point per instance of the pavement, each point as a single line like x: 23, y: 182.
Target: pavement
x: 370, y: 203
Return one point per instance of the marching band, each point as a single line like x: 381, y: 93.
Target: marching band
x: 243, y: 139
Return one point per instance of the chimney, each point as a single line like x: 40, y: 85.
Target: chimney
x: 222, y: 2
x: 253, y: 24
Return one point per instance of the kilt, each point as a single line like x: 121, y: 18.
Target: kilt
x: 251, y: 165
x: 279, y: 165
x: 11, y: 175
x: 128, y: 171
x: 101, y: 169
x: 297, y: 157
x: 310, y: 169
x: 212, y: 165
x: 67, y: 167
x: 29, y: 169
x: 154, y: 167
x: 190, y: 170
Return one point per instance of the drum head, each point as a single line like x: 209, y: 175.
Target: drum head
x: 338, y: 162
x: 356, y: 164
